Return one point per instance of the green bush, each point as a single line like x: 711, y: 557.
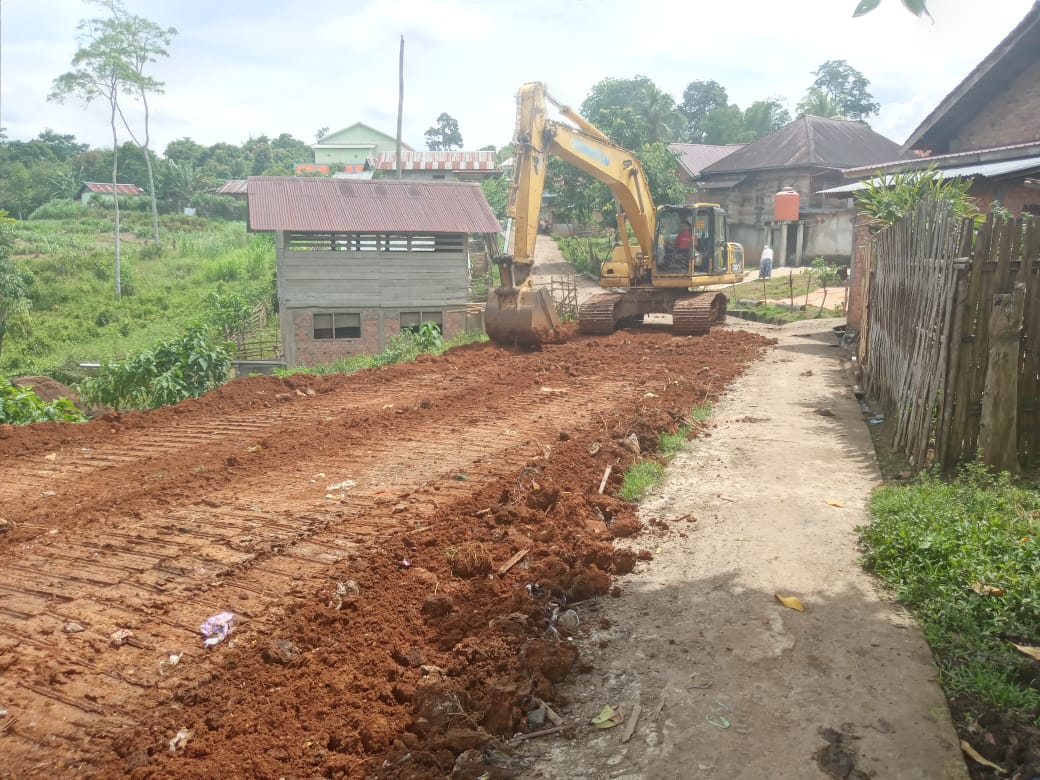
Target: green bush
x: 962, y: 556
x: 20, y: 406
x: 167, y: 373
x: 220, y: 207
x: 60, y: 208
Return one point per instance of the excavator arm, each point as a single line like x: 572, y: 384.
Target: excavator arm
x: 586, y: 148
x: 516, y: 312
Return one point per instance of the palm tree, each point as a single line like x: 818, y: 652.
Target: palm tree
x: 818, y: 103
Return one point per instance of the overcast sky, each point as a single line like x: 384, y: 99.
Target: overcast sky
x: 244, y: 68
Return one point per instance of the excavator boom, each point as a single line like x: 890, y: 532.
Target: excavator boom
x: 651, y: 269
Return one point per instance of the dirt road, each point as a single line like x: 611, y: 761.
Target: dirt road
x: 731, y: 683
x: 399, y: 549
x: 354, y: 526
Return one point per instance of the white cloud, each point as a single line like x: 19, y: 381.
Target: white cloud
x: 249, y: 67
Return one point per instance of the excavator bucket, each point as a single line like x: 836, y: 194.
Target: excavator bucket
x: 521, y: 315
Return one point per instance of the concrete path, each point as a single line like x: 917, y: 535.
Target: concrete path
x: 730, y: 683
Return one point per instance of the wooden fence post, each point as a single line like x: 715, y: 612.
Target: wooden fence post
x: 998, y: 426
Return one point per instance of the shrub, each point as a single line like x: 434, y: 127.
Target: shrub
x: 61, y: 208
x: 20, y: 405
x: 167, y: 373
x: 220, y: 207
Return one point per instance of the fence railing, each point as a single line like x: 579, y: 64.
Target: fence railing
x: 951, y: 347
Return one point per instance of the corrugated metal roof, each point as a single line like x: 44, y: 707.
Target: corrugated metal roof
x: 437, y: 161
x: 232, y: 187
x: 382, y: 205
x: 105, y: 188
x: 1008, y: 151
x: 696, y: 157
x: 810, y: 141
x: 987, y: 170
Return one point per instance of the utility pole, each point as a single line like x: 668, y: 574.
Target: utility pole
x: 400, y: 105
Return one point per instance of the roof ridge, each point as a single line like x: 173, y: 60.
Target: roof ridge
x: 811, y: 139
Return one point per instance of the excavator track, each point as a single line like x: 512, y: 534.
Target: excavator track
x: 596, y: 315
x: 694, y: 316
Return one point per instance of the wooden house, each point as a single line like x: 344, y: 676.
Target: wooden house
x: 358, y: 261
x: 807, y: 155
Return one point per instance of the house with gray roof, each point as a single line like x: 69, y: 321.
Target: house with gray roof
x: 807, y: 155
x: 693, y: 158
x: 358, y: 261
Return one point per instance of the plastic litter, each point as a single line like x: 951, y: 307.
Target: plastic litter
x: 216, y: 628
x: 118, y: 638
x: 180, y: 740
x: 344, y: 485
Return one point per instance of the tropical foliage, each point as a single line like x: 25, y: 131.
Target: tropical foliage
x: 886, y: 199
x: 20, y: 406
x: 169, y: 372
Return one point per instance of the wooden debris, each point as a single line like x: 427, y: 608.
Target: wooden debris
x: 630, y: 727
x: 549, y: 711
x: 512, y: 562
x: 543, y: 732
x: 606, y: 476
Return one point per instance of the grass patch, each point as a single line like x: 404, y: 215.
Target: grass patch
x: 639, y: 478
x: 963, y: 557
x: 402, y: 348
x: 75, y: 315
x: 646, y: 474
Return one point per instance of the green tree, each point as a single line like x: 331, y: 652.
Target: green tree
x: 496, y: 190
x: 765, y: 116
x: 445, y: 135
x: 700, y: 98
x: 661, y: 167
x: 633, y: 112
x: 846, y: 87
x: 185, y: 150
x: 99, y: 74
x: 724, y: 125
x: 888, y: 199
x: 181, y: 182
x: 15, y: 285
x: 916, y: 7
x: 16, y: 190
x: 818, y: 103
x: 136, y: 43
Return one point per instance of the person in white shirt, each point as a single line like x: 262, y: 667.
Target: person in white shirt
x: 765, y: 266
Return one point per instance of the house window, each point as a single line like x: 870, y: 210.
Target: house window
x: 411, y: 320
x: 337, y: 325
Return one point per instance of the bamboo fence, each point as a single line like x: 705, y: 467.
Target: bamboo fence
x: 951, y: 347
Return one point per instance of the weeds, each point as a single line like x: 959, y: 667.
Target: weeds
x: 963, y: 557
x: 646, y: 474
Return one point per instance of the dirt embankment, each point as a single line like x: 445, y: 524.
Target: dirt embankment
x: 356, y: 527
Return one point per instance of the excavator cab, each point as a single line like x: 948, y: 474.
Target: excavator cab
x: 691, y: 241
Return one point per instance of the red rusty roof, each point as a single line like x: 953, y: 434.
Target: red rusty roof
x: 105, y: 188
x: 232, y: 187
x: 381, y: 205
x: 437, y: 161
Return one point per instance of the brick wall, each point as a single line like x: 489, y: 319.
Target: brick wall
x: 310, y: 351
x: 1013, y: 195
x: 857, y: 274
x: 306, y: 350
x: 1009, y: 118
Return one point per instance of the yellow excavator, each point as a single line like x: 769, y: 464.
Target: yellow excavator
x: 675, y: 248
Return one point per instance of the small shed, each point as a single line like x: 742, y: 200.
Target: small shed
x: 104, y: 190
x: 457, y: 165
x: 359, y: 261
